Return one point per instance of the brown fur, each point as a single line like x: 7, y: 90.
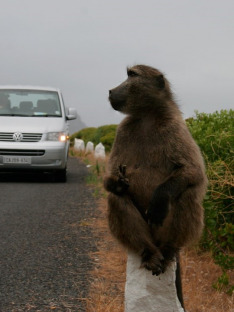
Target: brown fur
x: 156, y: 175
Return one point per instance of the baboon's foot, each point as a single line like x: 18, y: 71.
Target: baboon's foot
x: 152, y: 262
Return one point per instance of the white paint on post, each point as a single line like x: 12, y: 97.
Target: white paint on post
x: 89, y: 147
x: 147, y: 292
x: 79, y: 145
x: 100, y: 151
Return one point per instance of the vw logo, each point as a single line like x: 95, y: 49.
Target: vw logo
x: 17, y: 136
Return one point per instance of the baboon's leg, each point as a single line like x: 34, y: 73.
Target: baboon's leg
x: 128, y: 226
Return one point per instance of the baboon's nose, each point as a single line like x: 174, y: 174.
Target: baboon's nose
x: 109, y: 92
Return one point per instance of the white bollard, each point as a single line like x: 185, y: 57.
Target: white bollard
x: 89, y: 147
x: 147, y: 292
x: 79, y: 145
x: 100, y: 151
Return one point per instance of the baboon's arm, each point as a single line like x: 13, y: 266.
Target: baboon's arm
x: 170, y: 190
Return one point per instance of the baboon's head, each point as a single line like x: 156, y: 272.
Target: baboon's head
x: 145, y: 90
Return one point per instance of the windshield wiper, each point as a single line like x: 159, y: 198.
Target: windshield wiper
x: 45, y: 115
x: 18, y: 115
x: 33, y: 115
x: 8, y: 114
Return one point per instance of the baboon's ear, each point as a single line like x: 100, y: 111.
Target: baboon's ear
x: 160, y: 81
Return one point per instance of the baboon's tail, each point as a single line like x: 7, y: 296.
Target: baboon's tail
x: 178, y: 281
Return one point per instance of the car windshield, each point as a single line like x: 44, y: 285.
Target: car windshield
x: 33, y: 103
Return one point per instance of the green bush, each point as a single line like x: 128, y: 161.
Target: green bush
x: 86, y: 134
x: 214, y: 133
x: 103, y: 134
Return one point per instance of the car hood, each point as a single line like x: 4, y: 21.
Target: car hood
x: 32, y: 124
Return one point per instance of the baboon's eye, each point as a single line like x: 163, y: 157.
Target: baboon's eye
x: 131, y: 73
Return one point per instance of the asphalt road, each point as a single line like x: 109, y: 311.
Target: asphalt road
x: 45, y: 241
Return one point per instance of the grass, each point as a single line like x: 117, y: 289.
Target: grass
x: 106, y: 294
x: 198, y: 275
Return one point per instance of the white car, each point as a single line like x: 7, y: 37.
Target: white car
x: 34, y: 130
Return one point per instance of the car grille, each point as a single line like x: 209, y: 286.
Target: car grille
x: 21, y: 152
x: 27, y: 137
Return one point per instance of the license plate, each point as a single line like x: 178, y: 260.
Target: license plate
x: 16, y: 160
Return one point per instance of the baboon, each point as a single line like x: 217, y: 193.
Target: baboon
x: 156, y: 176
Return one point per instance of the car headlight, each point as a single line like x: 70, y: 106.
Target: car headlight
x: 57, y: 136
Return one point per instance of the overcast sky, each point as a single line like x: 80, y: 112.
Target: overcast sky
x: 84, y: 46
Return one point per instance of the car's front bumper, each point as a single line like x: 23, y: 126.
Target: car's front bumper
x: 29, y: 156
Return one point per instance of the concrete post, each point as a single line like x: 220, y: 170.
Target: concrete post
x: 145, y: 292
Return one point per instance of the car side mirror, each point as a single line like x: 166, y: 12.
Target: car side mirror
x: 71, y: 113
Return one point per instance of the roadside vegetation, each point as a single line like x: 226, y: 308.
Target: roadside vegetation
x: 208, y: 267
x: 214, y: 133
x: 103, y: 134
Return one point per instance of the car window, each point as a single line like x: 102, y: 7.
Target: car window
x: 30, y: 103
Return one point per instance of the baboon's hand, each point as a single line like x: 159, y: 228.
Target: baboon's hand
x: 122, y: 173
x: 118, y: 185
x: 123, y: 183
x: 158, y: 208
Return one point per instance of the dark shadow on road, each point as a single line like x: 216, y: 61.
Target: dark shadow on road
x: 26, y: 177
x: 23, y: 176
